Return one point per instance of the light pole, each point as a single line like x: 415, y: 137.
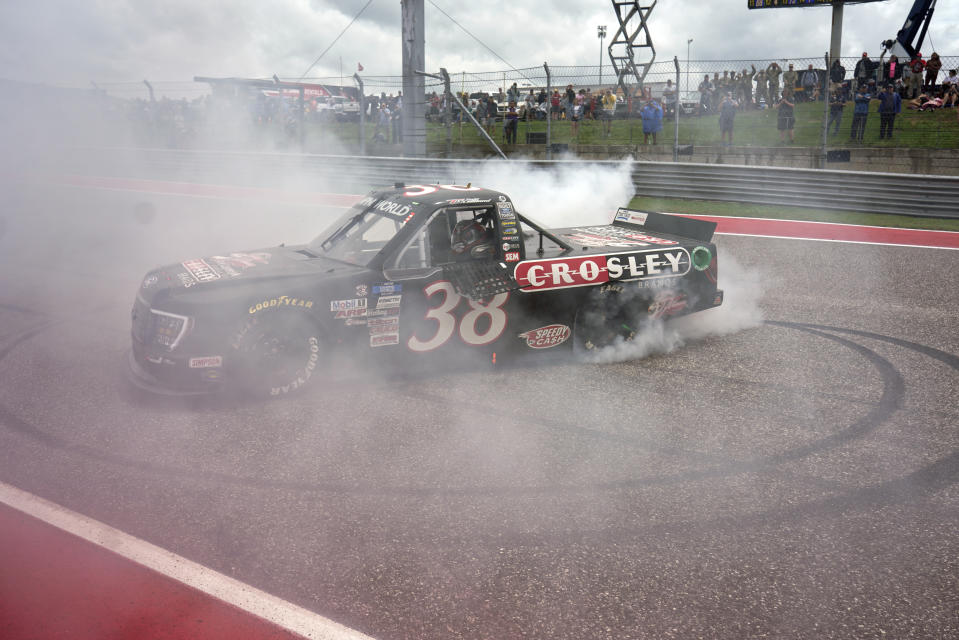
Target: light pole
x: 688, y: 42
x: 601, y: 32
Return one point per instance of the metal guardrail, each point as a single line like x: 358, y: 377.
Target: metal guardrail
x: 871, y: 192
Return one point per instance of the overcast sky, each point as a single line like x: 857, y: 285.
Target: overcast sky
x: 71, y: 43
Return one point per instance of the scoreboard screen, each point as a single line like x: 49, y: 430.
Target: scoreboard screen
x: 773, y: 4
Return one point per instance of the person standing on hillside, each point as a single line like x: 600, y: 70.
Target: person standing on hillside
x: 727, y: 116
x: 859, y: 114
x: 786, y: 121
x: 864, y: 70
x: 652, y: 115
x: 773, y: 71
x: 932, y: 71
x: 917, y: 67
x: 836, y: 105
x: 889, y: 105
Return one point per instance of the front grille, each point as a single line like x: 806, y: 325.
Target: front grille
x: 142, y: 321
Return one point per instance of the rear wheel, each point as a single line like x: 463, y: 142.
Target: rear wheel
x: 277, y: 351
x: 608, y: 316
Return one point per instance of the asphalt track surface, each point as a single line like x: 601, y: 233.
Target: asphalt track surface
x: 796, y: 474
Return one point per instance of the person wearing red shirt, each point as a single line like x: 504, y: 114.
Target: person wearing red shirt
x: 917, y: 65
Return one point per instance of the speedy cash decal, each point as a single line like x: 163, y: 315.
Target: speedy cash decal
x: 546, y: 337
x: 562, y: 273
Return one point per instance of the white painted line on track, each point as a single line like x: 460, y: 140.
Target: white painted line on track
x: 243, y: 596
x: 844, y: 241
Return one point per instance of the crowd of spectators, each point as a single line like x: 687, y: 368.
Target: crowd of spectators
x: 886, y: 86
x: 891, y: 83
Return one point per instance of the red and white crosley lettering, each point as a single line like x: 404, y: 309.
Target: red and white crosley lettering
x: 561, y: 272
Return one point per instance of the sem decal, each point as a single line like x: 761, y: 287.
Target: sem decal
x: 511, y: 256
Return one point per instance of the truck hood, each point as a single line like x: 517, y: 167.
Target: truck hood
x: 233, y: 269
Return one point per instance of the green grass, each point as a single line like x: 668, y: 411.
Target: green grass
x: 707, y: 207
x: 923, y: 130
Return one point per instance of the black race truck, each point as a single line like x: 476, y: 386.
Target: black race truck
x: 423, y: 272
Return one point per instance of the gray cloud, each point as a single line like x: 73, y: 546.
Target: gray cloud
x: 71, y: 43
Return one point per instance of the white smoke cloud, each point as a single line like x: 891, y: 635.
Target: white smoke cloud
x: 564, y: 195
x: 740, y: 311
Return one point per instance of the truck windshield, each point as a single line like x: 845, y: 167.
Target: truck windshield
x: 357, y: 236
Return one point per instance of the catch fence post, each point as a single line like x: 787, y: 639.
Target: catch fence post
x: 549, y: 113
x: 448, y: 112
x: 825, y: 115
x: 676, y: 114
x: 362, y: 103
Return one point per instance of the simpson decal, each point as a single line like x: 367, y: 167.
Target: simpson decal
x: 562, y: 273
x: 207, y: 362
x: 546, y: 337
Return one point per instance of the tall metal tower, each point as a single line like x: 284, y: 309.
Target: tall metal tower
x: 626, y: 50
x: 414, y: 86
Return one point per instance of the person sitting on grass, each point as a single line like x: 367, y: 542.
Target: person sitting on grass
x: 927, y: 102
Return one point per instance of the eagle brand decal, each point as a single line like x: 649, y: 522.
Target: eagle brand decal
x: 562, y: 273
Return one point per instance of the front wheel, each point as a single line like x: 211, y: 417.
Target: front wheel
x: 276, y: 352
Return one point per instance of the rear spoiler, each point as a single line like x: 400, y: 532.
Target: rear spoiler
x: 664, y: 223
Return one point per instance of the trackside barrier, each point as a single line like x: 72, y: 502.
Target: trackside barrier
x: 870, y: 192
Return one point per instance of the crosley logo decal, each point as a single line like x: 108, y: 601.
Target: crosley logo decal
x: 562, y: 273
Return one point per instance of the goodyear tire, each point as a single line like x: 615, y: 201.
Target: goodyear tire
x: 277, y: 352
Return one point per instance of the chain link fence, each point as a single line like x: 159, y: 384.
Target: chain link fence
x: 195, y: 115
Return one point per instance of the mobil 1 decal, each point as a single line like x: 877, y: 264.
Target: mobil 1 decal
x: 562, y: 273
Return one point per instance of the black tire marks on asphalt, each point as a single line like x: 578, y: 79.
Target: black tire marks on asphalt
x: 933, y: 477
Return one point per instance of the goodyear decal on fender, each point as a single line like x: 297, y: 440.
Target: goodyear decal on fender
x: 282, y: 301
x: 563, y: 273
